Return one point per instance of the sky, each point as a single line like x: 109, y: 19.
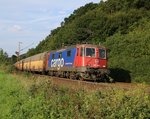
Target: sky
x: 30, y: 21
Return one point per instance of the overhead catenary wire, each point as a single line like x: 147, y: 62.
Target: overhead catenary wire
x: 27, y: 46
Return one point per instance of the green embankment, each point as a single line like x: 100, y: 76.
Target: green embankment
x: 21, y: 97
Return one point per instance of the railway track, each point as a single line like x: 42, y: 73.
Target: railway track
x: 91, y: 86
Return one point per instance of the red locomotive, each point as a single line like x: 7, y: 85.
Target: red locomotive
x: 82, y: 61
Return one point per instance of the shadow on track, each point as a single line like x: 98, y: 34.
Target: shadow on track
x: 120, y: 75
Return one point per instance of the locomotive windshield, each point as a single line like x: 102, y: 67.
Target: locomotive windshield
x: 102, y: 53
x: 90, y: 52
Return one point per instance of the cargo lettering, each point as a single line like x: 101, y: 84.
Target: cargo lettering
x: 57, y: 63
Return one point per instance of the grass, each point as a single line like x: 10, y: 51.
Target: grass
x: 11, y: 93
x: 26, y: 97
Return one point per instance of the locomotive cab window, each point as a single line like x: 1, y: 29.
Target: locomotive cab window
x: 90, y: 52
x: 68, y: 53
x: 53, y: 56
x: 60, y: 55
x: 102, y: 53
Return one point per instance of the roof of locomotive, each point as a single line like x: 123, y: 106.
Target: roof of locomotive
x: 78, y: 45
x: 89, y: 45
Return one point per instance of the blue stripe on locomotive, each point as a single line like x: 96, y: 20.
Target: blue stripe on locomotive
x: 64, y: 60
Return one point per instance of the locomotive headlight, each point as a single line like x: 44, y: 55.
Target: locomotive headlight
x: 104, y: 66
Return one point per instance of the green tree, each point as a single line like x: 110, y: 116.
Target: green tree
x: 3, y: 57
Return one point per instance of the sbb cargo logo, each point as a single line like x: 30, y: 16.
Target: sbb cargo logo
x: 57, y: 63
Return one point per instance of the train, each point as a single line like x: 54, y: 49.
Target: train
x: 81, y: 62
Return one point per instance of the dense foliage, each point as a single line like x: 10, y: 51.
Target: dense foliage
x: 24, y: 97
x: 3, y: 57
x: 122, y: 25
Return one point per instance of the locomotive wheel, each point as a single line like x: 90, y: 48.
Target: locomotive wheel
x: 81, y: 78
x: 67, y: 75
x: 107, y: 79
